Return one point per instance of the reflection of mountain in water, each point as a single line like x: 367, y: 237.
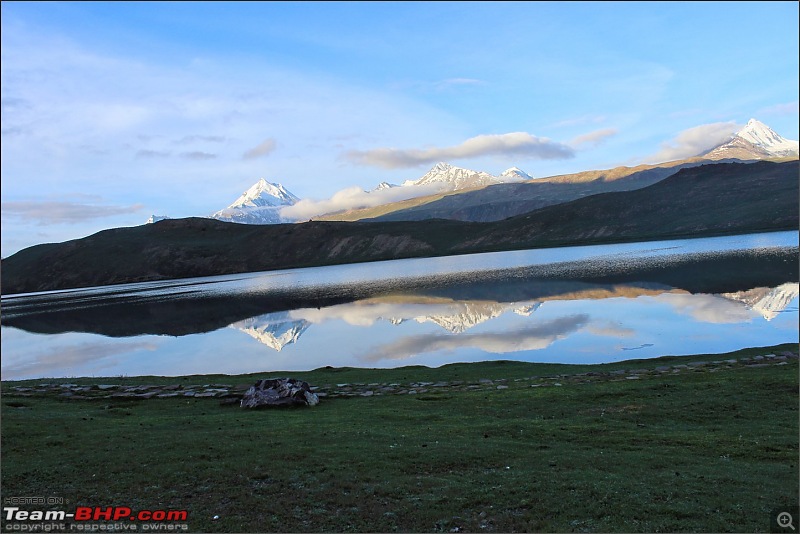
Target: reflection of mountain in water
x: 527, y: 309
x: 465, y: 316
x: 473, y: 314
x: 769, y: 302
x: 457, y: 316
x: 275, y: 330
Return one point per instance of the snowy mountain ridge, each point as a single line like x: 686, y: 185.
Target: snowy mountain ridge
x: 451, y: 178
x: 261, y: 204
x: 767, y: 301
x: 755, y: 141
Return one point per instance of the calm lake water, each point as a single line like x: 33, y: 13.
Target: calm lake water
x: 572, y: 305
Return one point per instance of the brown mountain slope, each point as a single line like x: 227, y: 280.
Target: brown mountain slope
x: 497, y: 202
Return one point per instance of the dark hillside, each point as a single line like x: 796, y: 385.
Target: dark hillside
x: 723, y: 198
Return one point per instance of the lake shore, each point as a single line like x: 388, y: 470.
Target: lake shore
x: 328, y: 382
x: 683, y: 444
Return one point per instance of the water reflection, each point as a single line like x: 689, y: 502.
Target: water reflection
x: 276, y: 330
x: 590, y: 310
x: 532, y: 337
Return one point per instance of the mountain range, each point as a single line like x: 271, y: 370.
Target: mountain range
x: 704, y: 200
x: 469, y: 195
x: 448, y: 177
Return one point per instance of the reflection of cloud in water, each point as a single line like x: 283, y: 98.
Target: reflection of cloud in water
x: 708, y: 308
x: 55, y: 360
x: 610, y: 329
x: 533, y: 338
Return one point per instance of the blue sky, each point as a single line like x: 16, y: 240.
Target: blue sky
x: 114, y: 111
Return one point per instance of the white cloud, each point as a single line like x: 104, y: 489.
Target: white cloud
x: 515, y: 144
x: 578, y: 121
x: 147, y: 153
x: 594, y: 138
x: 198, y: 155
x: 353, y: 198
x: 189, y: 139
x: 45, y: 213
x: 85, y: 356
x: 694, y: 141
x: 262, y: 149
x: 709, y: 308
x: 789, y: 108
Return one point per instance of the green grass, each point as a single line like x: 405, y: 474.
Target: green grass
x: 696, y: 451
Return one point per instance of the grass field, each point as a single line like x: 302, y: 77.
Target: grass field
x: 709, y: 449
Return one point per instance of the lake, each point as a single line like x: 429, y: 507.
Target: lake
x: 590, y: 304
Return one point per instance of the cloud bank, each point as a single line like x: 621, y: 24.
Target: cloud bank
x: 262, y: 149
x: 694, y: 141
x: 45, y: 213
x: 516, y: 144
x: 353, y: 198
x: 593, y: 139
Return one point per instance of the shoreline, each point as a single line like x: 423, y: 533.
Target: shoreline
x: 379, y: 382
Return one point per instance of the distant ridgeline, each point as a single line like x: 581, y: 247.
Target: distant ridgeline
x: 712, y: 199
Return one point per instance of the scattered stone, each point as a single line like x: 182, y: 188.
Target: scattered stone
x: 279, y: 392
x: 502, y: 387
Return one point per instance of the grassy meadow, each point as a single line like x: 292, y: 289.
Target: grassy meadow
x: 705, y: 449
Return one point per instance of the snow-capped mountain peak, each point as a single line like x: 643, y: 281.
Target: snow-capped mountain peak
x: 755, y: 141
x: 275, y: 330
x: 768, y: 301
x: 260, y: 204
x: 156, y: 218
x: 765, y: 137
x: 264, y: 193
x: 384, y: 185
x: 515, y: 173
x: 450, y: 178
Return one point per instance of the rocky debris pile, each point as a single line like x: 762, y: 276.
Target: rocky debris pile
x: 279, y: 392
